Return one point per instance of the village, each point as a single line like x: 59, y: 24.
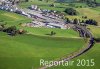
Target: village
x: 40, y: 17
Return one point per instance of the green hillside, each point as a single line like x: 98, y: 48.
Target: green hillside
x: 68, y: 33
x: 25, y: 51
x: 91, y: 54
x: 95, y: 31
x: 12, y: 18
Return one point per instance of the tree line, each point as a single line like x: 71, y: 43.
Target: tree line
x: 12, y: 30
x: 78, y: 21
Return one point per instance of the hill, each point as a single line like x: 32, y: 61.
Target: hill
x: 25, y: 51
x: 91, y: 54
x: 12, y: 18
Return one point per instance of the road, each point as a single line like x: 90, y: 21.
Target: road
x: 81, y: 51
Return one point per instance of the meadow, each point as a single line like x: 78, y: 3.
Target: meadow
x: 11, y: 18
x: 91, y: 54
x: 25, y: 51
x: 66, y: 33
x: 95, y: 31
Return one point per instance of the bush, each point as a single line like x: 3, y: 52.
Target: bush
x: 10, y: 30
x: 21, y: 31
x: 52, y: 33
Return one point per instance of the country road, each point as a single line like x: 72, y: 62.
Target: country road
x: 81, y: 51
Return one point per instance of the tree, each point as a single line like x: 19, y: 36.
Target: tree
x: 52, y: 5
x: 68, y: 20
x: 2, y: 26
x: 70, y: 11
x: 11, y: 30
x: 40, y: 0
x: 52, y: 33
x: 47, y: 1
x: 91, y: 22
x: 83, y: 21
x: 75, y: 21
x: 26, y: 0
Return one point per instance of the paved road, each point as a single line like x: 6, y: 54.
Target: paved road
x: 81, y: 51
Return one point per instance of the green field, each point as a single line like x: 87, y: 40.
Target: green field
x: 91, y: 54
x: 91, y: 13
x: 25, y: 51
x: 12, y: 18
x: 95, y: 31
x: 68, y: 33
x: 98, y: 1
x: 44, y: 5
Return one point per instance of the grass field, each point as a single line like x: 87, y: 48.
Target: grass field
x: 68, y: 33
x: 91, y: 54
x: 95, y: 31
x: 25, y: 51
x: 12, y: 18
x: 98, y: 1
x: 44, y: 5
x: 97, y: 8
x: 91, y: 13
